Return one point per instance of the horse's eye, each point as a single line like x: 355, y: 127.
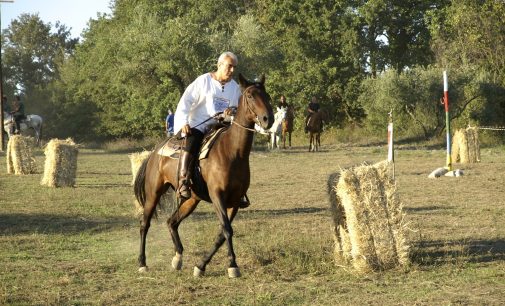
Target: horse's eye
x: 249, y: 97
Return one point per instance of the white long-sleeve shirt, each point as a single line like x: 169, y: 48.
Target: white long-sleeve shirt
x: 202, y: 99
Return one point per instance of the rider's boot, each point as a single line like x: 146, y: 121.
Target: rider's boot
x: 184, y: 190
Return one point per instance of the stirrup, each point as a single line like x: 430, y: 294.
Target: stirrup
x: 184, y: 191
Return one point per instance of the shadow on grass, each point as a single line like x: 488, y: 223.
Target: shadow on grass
x: 13, y: 224
x: 102, y: 185
x: 252, y: 214
x: 428, y: 253
x: 425, y: 209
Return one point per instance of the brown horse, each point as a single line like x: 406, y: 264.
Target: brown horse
x: 223, y: 176
x: 315, y: 127
x: 287, y: 126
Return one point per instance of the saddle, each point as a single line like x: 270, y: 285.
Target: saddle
x: 172, y: 147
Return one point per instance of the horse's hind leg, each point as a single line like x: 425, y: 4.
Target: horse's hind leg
x: 145, y: 223
x: 173, y: 225
x: 225, y: 234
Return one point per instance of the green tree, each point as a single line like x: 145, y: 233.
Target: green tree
x: 33, y: 54
x: 414, y: 97
x: 471, y: 33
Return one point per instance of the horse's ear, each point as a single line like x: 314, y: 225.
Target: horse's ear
x: 242, y: 81
x: 262, y: 79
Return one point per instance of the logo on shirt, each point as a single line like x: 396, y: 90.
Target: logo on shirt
x: 220, y: 104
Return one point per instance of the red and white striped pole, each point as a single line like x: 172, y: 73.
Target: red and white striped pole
x: 447, y: 122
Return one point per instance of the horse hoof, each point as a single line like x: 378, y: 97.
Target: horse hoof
x: 197, y: 272
x: 233, y: 272
x: 177, y: 262
x: 143, y: 269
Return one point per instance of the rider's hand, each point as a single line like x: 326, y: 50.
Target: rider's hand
x: 186, y: 129
x: 228, y: 112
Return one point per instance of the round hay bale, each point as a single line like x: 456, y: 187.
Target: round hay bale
x: 61, y: 163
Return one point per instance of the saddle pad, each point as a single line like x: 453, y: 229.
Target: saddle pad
x: 209, y: 141
x: 171, y: 148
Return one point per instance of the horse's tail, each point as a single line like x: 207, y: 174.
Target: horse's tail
x: 139, y: 188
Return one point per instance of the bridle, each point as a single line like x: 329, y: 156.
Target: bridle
x: 248, y: 104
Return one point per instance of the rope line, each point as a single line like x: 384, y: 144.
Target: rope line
x: 493, y: 128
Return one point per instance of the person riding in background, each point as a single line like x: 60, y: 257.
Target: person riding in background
x: 282, y: 103
x: 312, y: 108
x: 210, y: 93
x: 18, y: 112
x: 7, y: 107
x: 169, y: 124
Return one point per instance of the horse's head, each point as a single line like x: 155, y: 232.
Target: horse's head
x: 257, y: 102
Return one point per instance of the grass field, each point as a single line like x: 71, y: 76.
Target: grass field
x: 79, y: 245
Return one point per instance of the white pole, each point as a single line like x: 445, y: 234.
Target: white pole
x: 391, y: 153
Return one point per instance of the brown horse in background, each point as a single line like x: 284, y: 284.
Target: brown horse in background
x: 315, y: 127
x: 224, y: 177
x: 287, y: 126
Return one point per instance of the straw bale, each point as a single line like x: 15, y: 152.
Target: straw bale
x: 369, y: 220
x: 138, y: 210
x: 465, y: 146
x: 61, y: 163
x: 340, y: 233
x: 472, y: 136
x: 136, y: 160
x: 10, y: 166
x: 20, y: 158
x: 457, y: 138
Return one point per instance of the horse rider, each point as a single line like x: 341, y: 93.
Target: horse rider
x: 312, y: 108
x: 18, y: 113
x: 282, y: 103
x: 169, y: 124
x: 210, y: 93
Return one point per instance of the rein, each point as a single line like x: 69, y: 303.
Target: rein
x: 250, y: 109
x: 244, y: 127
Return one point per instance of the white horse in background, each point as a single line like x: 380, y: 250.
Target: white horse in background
x: 276, y: 130
x: 30, y: 122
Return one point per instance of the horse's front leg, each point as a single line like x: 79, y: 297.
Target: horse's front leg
x: 225, y: 234
x: 173, y: 226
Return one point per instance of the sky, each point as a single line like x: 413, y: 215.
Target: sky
x: 74, y: 14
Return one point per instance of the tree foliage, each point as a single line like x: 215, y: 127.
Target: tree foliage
x: 360, y: 58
